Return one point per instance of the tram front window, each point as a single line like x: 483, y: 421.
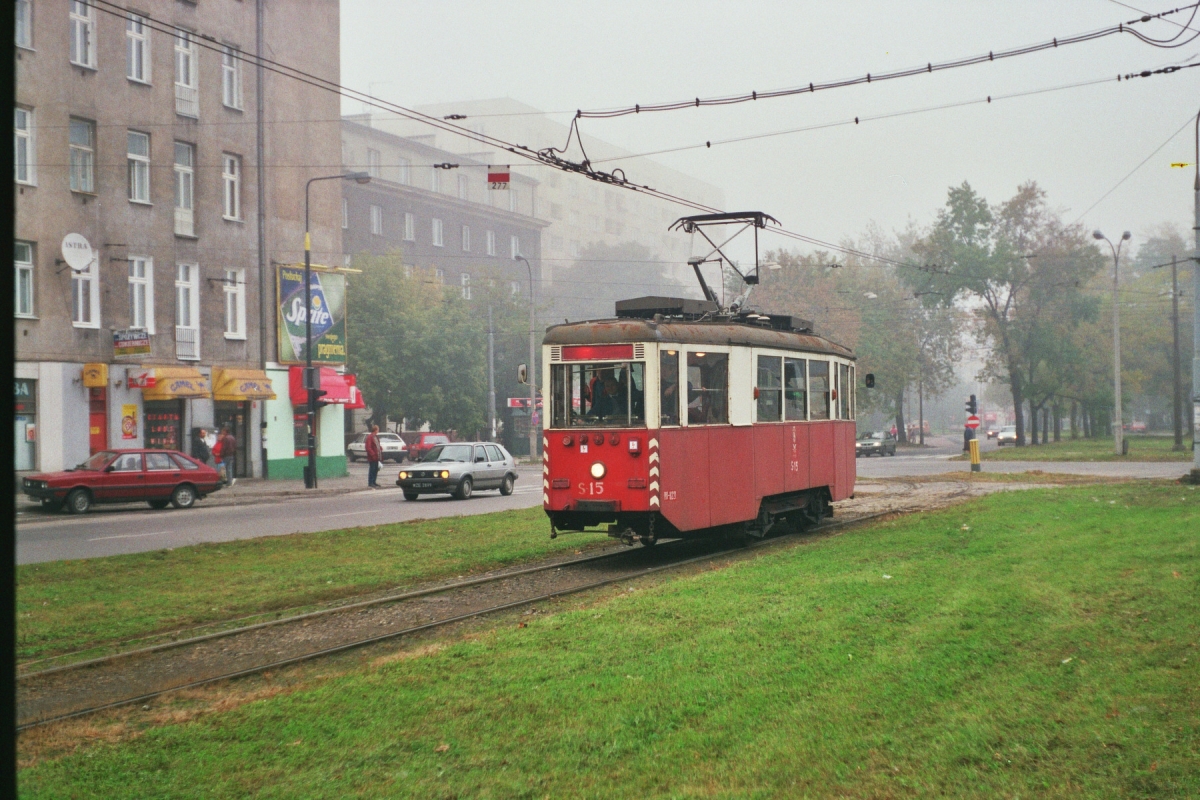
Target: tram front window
x: 598, y: 395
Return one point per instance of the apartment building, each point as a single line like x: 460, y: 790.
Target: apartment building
x: 159, y: 178
x: 436, y: 208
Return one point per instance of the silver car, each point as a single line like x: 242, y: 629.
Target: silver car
x: 459, y: 468
x: 1007, y: 435
x: 391, y: 444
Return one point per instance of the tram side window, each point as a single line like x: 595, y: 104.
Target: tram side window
x: 668, y: 371
x: 770, y: 388
x: 595, y: 395
x: 844, y: 391
x: 853, y: 393
x: 795, y: 393
x: 708, y: 388
x: 818, y: 384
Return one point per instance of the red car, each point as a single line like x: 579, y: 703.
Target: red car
x: 424, y: 443
x: 125, y: 476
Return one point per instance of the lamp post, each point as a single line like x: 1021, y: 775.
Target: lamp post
x: 532, y: 373
x: 1195, y: 478
x: 310, y: 382
x: 1118, y: 417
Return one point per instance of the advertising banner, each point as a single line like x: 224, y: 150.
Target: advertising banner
x: 328, y: 316
x: 131, y: 342
x: 129, y: 424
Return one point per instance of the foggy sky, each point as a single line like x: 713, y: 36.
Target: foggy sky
x: 1076, y: 143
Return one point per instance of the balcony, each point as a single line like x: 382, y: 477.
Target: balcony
x: 187, y: 343
x: 187, y: 101
x: 185, y: 222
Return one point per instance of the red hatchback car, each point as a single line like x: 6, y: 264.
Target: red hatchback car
x: 424, y: 443
x: 125, y: 476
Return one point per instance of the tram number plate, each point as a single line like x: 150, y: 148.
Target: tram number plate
x: 423, y: 485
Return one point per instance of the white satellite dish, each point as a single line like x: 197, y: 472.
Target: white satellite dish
x: 77, y: 252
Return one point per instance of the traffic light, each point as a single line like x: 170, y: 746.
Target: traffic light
x: 972, y: 406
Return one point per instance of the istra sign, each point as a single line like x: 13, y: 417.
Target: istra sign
x: 328, y: 312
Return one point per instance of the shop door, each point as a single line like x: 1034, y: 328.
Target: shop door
x: 26, y: 427
x: 164, y: 424
x: 98, y: 419
x: 237, y: 416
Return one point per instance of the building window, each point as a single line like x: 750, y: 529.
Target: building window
x: 25, y: 23
x: 437, y: 233
x: 514, y: 246
x: 139, y: 167
x: 463, y: 188
x: 187, y: 311
x: 410, y: 228
x: 235, y: 304
x: 23, y: 261
x: 23, y: 146
x: 465, y: 278
x: 187, y: 93
x: 466, y: 239
x: 231, y: 76
x: 491, y: 243
x: 376, y: 221
x: 83, y: 34
x: 185, y: 187
x: 345, y: 214
x: 137, y: 49
x: 439, y: 275
x: 231, y: 176
x: 141, y: 293
x: 435, y: 180
x: 374, y: 163
x: 85, y: 297
x: 83, y: 155
x: 405, y: 171
x: 513, y: 199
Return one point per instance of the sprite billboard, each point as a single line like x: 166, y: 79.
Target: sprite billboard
x: 328, y: 316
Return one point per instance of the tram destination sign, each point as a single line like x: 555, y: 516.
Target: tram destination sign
x: 328, y: 316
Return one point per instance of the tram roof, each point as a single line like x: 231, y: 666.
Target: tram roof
x: 709, y: 332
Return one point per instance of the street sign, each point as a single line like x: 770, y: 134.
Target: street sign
x: 972, y: 422
x: 498, y: 180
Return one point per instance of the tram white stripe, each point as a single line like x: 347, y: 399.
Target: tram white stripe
x: 653, y: 457
x: 545, y: 498
x: 545, y: 483
x: 654, y: 501
x: 654, y: 486
x: 653, y: 444
x: 654, y: 471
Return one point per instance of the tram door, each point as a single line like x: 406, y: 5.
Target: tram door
x: 98, y: 419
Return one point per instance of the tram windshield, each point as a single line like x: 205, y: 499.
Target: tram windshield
x: 598, y: 395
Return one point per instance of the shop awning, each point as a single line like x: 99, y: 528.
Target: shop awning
x: 172, y: 383
x: 356, y: 398
x: 337, y: 391
x: 241, y: 384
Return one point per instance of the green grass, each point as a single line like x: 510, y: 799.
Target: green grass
x: 1141, y: 448
x: 71, y: 605
x: 1038, y: 644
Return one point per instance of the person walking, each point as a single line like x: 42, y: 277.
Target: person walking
x: 200, y: 450
x: 228, y: 456
x: 374, y: 456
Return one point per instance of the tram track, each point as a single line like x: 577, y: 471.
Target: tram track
x: 87, y: 687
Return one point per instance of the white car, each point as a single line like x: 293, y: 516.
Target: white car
x: 393, y: 447
x: 1007, y: 435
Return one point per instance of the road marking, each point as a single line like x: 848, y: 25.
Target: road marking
x: 130, y: 536
x: 353, y: 513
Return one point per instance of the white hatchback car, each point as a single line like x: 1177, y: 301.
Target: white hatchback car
x: 1007, y: 435
x: 393, y: 446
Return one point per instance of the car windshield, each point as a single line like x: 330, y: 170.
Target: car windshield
x: 449, y: 452
x: 876, y: 435
x: 97, y: 461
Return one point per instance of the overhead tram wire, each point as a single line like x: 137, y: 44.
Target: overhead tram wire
x: 1161, y: 15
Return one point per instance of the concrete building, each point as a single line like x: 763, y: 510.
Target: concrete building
x: 160, y: 177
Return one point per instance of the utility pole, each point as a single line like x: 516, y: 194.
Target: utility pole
x: 1195, y: 476
x: 1176, y: 380
x: 1118, y: 415
x: 491, y: 377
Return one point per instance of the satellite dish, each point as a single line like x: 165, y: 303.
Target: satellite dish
x: 77, y: 252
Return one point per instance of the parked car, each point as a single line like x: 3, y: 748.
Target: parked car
x: 424, y: 443
x: 459, y: 468
x: 876, y: 443
x: 1136, y: 426
x: 393, y: 446
x: 158, y: 477
x: 1007, y: 435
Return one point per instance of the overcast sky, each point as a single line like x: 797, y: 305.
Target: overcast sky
x: 1077, y: 143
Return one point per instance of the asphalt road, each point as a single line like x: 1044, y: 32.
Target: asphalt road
x: 111, y: 530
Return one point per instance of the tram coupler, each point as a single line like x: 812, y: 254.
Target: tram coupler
x: 626, y: 535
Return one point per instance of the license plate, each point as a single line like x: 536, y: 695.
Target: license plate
x: 423, y: 485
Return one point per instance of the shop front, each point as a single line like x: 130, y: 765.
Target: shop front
x: 234, y: 393
x: 164, y: 404
x: 26, y: 424
x: 286, y: 419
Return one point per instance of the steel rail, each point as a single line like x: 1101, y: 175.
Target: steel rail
x: 328, y: 651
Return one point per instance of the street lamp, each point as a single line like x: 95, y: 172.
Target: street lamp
x: 310, y: 378
x: 1118, y: 417
x: 1196, y: 319
x: 532, y: 372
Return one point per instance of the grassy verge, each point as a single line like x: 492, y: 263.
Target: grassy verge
x: 70, y: 605
x: 972, y: 652
x: 1141, y: 448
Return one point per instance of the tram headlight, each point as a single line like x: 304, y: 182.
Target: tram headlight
x: 598, y: 470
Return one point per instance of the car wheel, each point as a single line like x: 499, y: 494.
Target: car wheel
x: 506, y: 485
x: 465, y: 488
x: 184, y: 496
x: 158, y: 504
x: 410, y: 495
x: 79, y: 501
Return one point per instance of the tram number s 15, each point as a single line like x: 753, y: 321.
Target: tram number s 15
x: 591, y: 488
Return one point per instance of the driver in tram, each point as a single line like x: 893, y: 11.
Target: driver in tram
x: 607, y: 401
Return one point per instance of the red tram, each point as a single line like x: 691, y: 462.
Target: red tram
x: 675, y: 418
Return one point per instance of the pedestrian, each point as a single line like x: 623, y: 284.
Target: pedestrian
x: 228, y: 464
x: 200, y: 450
x: 374, y: 456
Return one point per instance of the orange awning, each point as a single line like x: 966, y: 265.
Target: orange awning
x: 171, y: 383
x: 241, y: 384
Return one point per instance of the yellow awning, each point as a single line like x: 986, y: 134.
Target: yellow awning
x: 241, y: 384
x: 171, y: 383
